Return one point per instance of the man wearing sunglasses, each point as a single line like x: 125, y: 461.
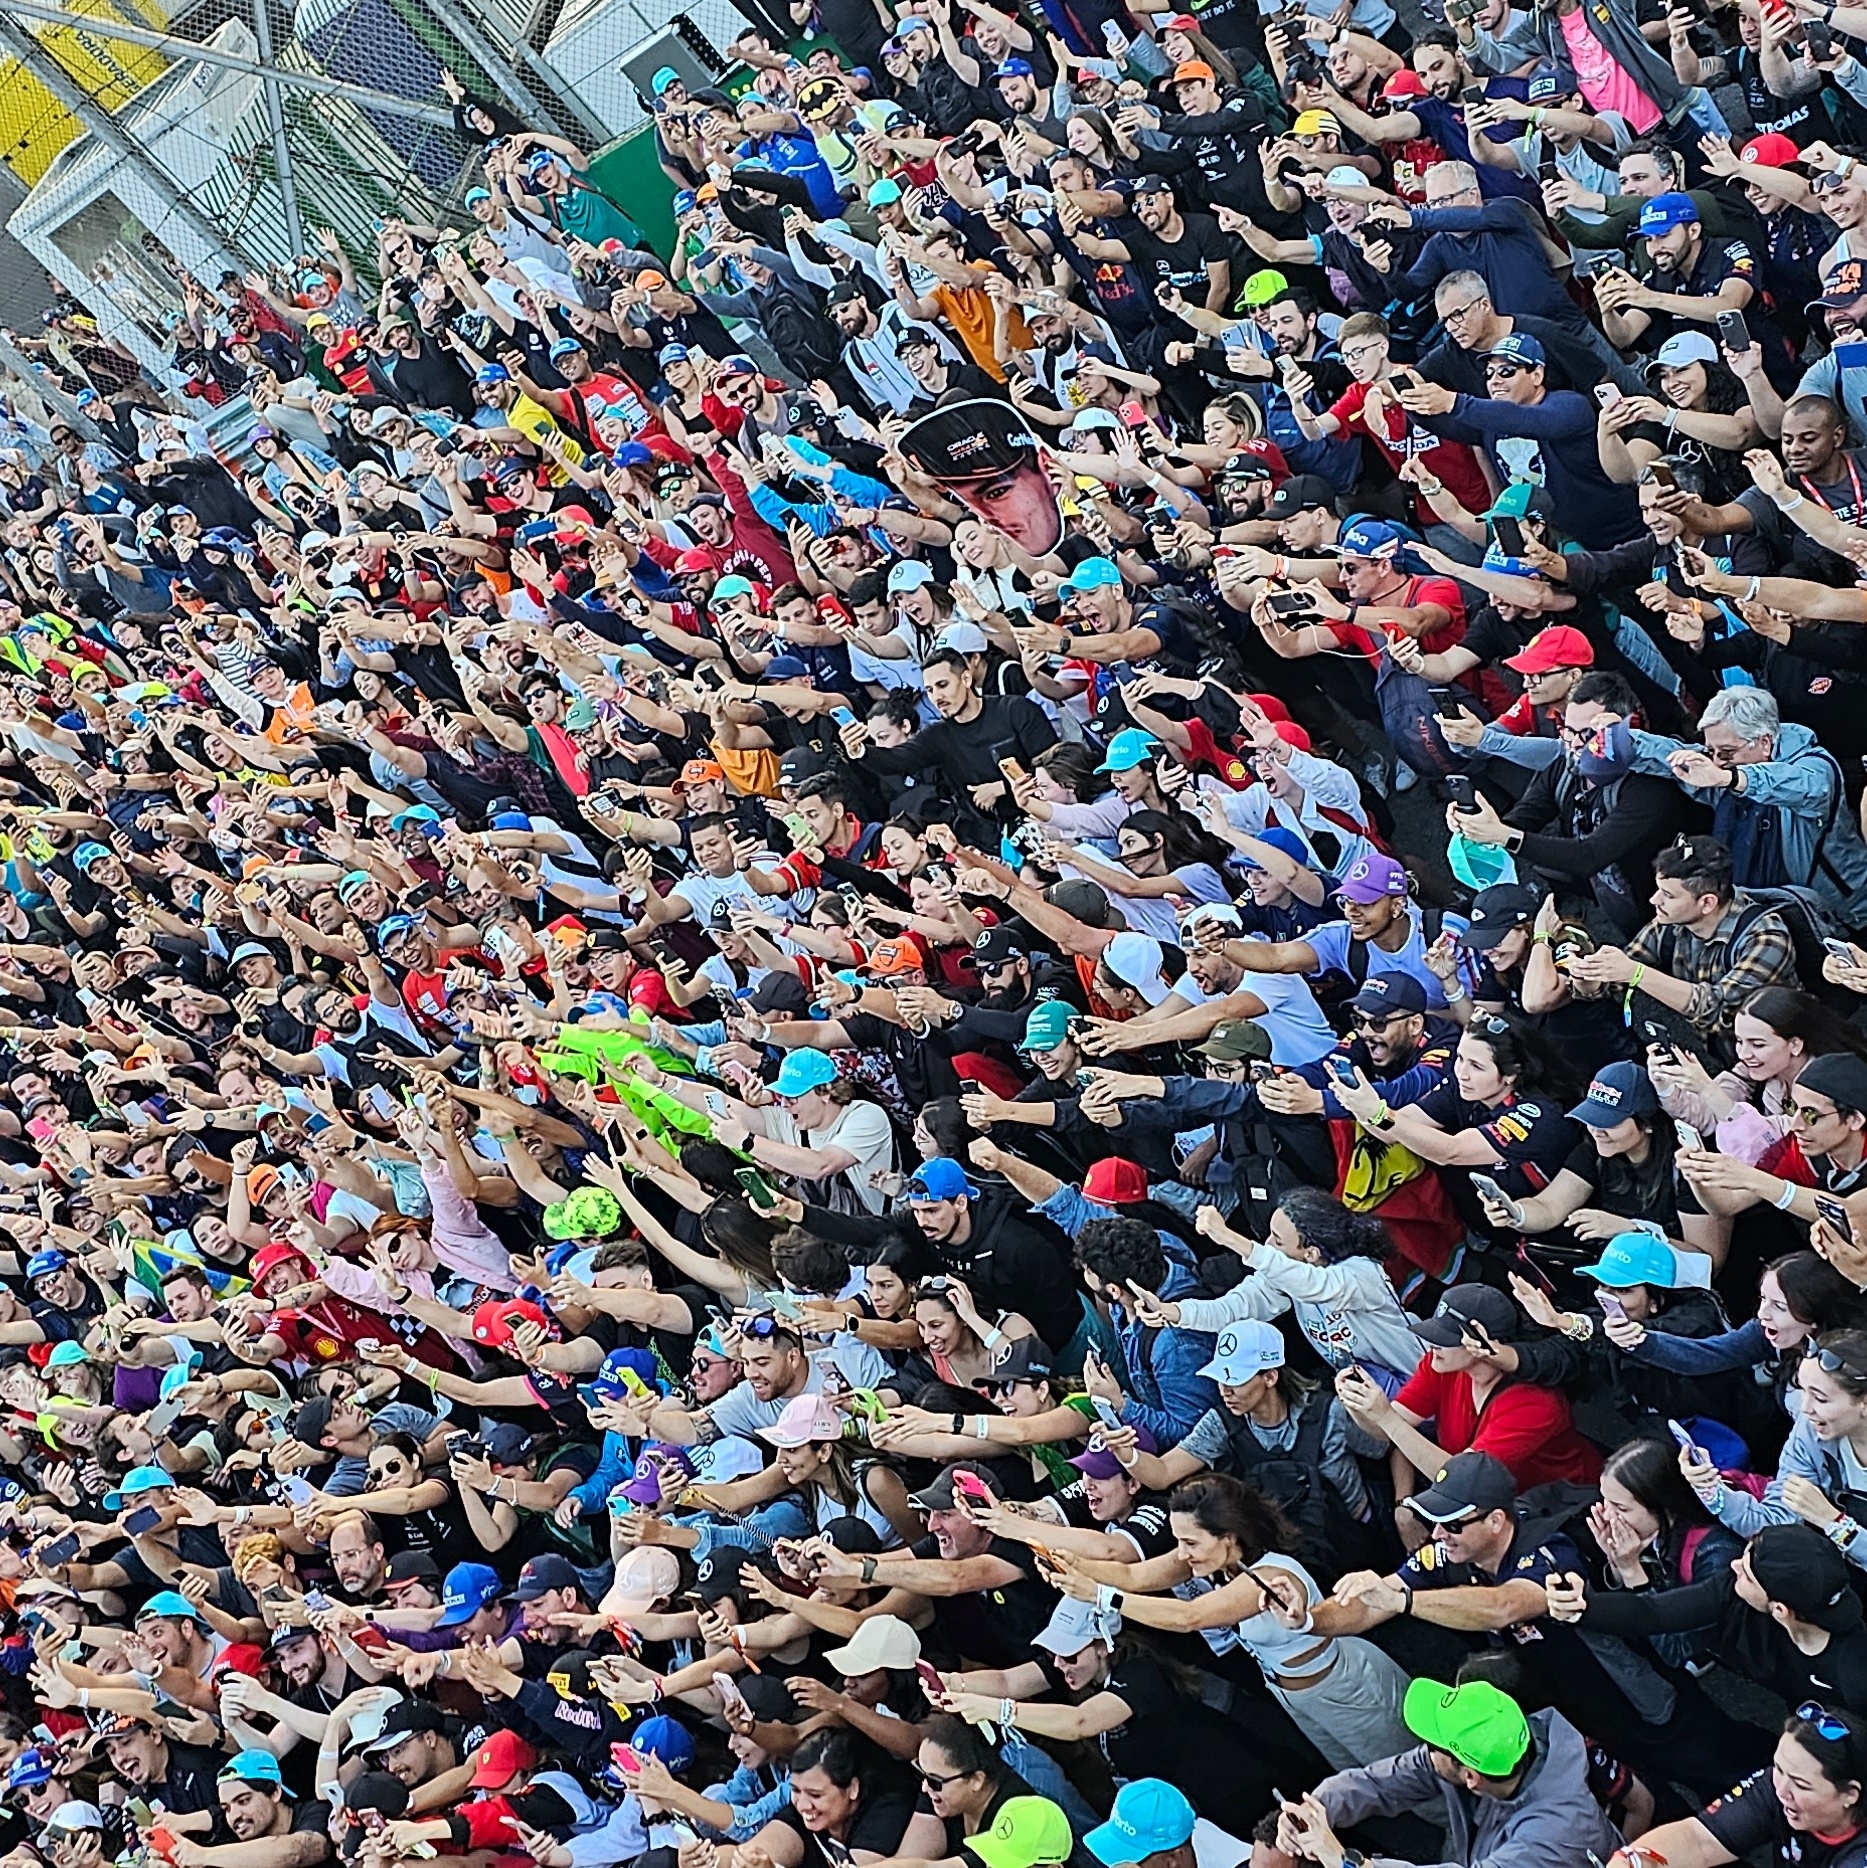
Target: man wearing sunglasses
x: 1532, y: 432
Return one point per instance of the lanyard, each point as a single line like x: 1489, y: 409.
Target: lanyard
x: 1854, y: 477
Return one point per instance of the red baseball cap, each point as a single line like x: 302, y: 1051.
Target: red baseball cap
x: 1550, y: 649
x: 1771, y: 150
x: 494, y: 1322
x: 499, y: 1760
x: 1115, y: 1182
x: 1404, y: 83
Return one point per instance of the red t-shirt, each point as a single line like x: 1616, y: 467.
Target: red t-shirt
x: 1440, y: 590
x: 1398, y: 435
x: 1526, y: 1427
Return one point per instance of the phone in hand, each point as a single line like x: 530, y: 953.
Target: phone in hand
x: 1132, y: 414
x: 1686, y: 1443
x: 142, y: 1521
x: 1608, y: 394
x: 758, y: 1190
x: 1839, y: 949
x: 1462, y: 792
x: 60, y: 1551
x: 1611, y: 1306
x: 970, y: 1485
x: 929, y: 1677
x: 1105, y: 1411
x: 1833, y: 1214
x: 1491, y: 1190
x: 1509, y: 534
x: 1733, y: 332
x: 1342, y: 1069
x: 843, y: 716
x: 1472, y: 96
x: 1689, y: 1137
x: 1820, y: 41
x: 1289, y: 603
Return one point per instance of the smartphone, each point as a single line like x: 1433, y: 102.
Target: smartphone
x: 60, y: 1550
x: 1472, y: 96
x: 1834, y: 1214
x: 758, y: 1190
x: 732, y: 1698
x: 1288, y: 603
x: 970, y: 1486
x: 297, y: 1490
x: 1689, y: 1137
x: 843, y: 716
x: 1611, y: 1306
x: 1403, y: 380
x: 1607, y: 394
x: 1686, y: 1443
x: 1841, y: 950
x: 929, y: 1676
x: 1509, y: 534
x: 317, y: 1601
x: 141, y: 1522
x: 1491, y: 1190
x: 625, y: 1757
x: 422, y: 894
x: 370, y: 1639
x: 1105, y: 1411
x: 1733, y: 332
x: 1132, y: 414
x: 1819, y: 39
x: 1657, y: 1034
x: 1462, y: 792
x: 1341, y: 1068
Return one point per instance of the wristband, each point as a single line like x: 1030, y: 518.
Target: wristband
x: 1790, y: 505
x: 980, y: 1427
x: 959, y: 1423
x: 1406, y: 1608
x: 1107, y: 1597
x: 1787, y: 1198
x: 993, y: 1337
x: 1842, y: 1532
x: 1008, y: 1714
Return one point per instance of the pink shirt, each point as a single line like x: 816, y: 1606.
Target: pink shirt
x: 1603, y: 81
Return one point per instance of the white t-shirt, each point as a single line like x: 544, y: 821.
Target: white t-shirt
x: 861, y: 1128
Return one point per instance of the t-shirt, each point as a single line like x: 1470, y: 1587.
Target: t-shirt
x: 1533, y: 1139
x: 739, y: 1411
x: 1605, y: 83
x: 1749, y: 1819
x: 992, y: 1627
x: 1400, y: 437
x: 876, y: 1829
x: 862, y: 1129
x: 1180, y: 262
x: 1330, y: 944
x: 1527, y: 1427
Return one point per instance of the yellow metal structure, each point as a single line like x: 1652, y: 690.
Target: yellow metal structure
x: 34, y: 126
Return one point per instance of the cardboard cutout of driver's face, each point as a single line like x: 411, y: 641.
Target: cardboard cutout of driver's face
x: 984, y: 453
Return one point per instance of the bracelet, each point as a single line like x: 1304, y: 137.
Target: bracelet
x: 959, y: 1423
x: 1406, y: 1608
x: 1751, y: 589
x: 1846, y: 167
x: 1576, y: 1327
x: 1008, y: 1714
x: 243, y: 1514
x: 1789, y: 505
x: 1280, y: 566
x: 1640, y: 973
x: 993, y: 1337
x: 1455, y: 993
x: 1842, y: 1532
x: 1787, y: 1198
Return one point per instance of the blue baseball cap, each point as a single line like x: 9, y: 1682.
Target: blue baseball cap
x: 1094, y: 574
x: 254, y: 1765
x: 1545, y: 82
x: 66, y: 1355
x: 492, y: 373
x: 1618, y: 1090
x: 1279, y: 838
x: 673, y: 353
x: 786, y: 667
x: 476, y: 194
x: 29, y: 1770
x: 43, y: 1264
x: 884, y: 190
x: 1631, y: 1258
x: 1014, y: 68
x: 169, y: 1605
x: 607, y: 1383
x: 1129, y: 748
x: 1149, y: 1816
x: 940, y: 1179
x: 88, y: 853
x: 563, y: 348
x: 1520, y: 347
x: 666, y: 76
x: 1665, y: 212
x: 803, y: 1071
x: 667, y: 1739
x: 469, y: 1588
x: 1370, y: 538
x: 415, y: 814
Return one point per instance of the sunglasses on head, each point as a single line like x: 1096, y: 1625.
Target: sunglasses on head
x: 1827, y: 1724
x: 1832, y: 1363
x: 761, y: 1327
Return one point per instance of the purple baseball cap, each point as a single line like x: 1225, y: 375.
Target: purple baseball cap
x: 1372, y: 876
x: 1097, y: 1462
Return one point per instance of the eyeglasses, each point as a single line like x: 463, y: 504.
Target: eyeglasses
x: 934, y: 1782
x: 1827, y: 1724
x: 1801, y: 1113
x: 1454, y: 314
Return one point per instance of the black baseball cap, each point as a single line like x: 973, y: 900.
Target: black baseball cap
x: 1303, y: 492
x: 722, y: 1574
x: 1464, y: 1305
x: 1497, y: 911
x: 997, y: 945
x: 1468, y: 1485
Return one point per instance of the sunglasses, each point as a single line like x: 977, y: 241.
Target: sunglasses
x: 1827, y: 1724
x: 1831, y: 1363
x: 935, y: 1782
x: 762, y: 1327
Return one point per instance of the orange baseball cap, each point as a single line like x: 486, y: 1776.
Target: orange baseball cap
x: 894, y: 956
x: 1193, y: 68
x: 701, y: 771
x: 651, y: 281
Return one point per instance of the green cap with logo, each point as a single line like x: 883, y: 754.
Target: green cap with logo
x: 1027, y: 1832
x: 1476, y: 1723
x: 1236, y: 1041
x: 1048, y: 1025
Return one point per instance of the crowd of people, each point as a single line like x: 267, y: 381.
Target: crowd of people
x: 1013, y: 1020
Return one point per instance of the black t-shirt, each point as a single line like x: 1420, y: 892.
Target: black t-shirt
x: 993, y: 1627
x: 1749, y: 1819
x: 880, y: 1823
x: 1180, y: 262
x: 1533, y: 1136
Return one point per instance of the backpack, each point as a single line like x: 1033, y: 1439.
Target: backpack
x: 1329, y: 1541
x: 1809, y: 922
